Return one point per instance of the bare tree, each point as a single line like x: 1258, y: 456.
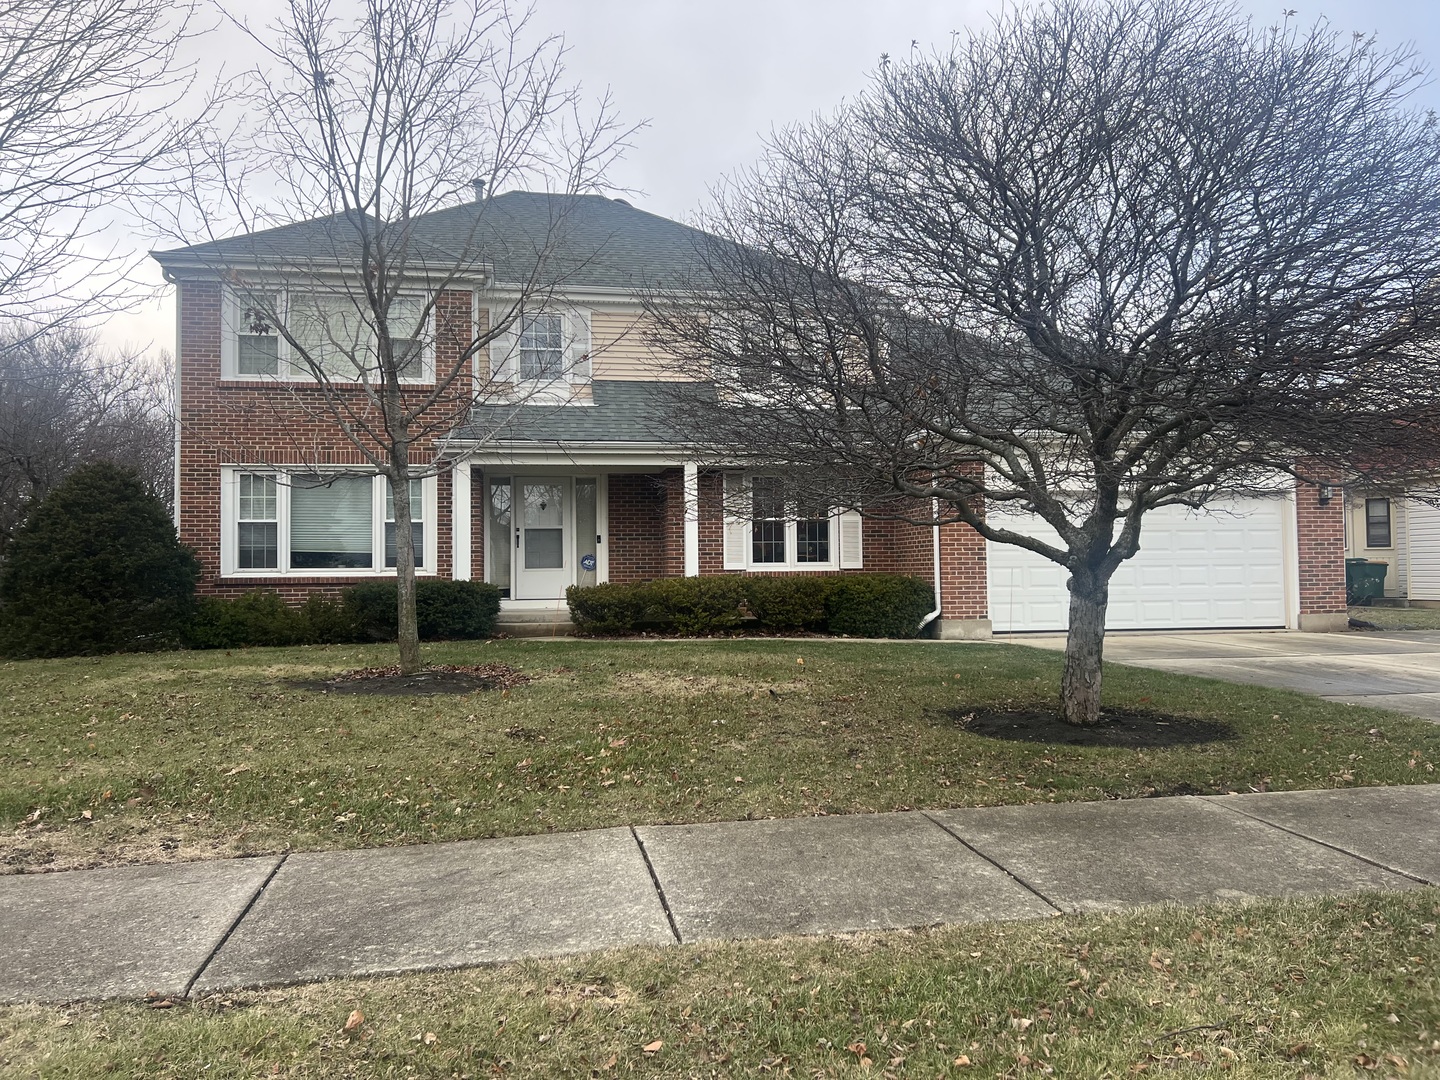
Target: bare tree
x: 95, y: 111
x: 386, y: 136
x: 66, y: 403
x: 1101, y: 259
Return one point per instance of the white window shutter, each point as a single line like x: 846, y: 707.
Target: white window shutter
x: 503, y: 345
x: 577, y: 356
x: 736, y: 526
x: 852, y: 549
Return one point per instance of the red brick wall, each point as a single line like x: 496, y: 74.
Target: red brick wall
x: 231, y: 422
x: 640, y: 536
x: 1320, y: 537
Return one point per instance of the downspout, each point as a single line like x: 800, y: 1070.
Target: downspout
x: 935, y: 544
x: 175, y: 403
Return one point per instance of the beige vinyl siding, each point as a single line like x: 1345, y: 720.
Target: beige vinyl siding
x: 619, y: 349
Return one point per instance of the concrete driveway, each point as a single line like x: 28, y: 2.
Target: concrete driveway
x: 1399, y: 670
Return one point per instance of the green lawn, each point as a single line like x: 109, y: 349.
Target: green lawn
x: 1394, y: 618
x: 182, y: 755
x: 1332, y: 988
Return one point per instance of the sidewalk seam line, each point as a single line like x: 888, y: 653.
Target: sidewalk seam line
x: 999, y: 866
x: 235, y: 925
x: 659, y: 889
x: 1324, y: 844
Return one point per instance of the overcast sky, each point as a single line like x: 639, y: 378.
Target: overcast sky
x: 712, y: 78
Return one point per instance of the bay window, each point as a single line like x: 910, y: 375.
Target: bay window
x: 278, y: 522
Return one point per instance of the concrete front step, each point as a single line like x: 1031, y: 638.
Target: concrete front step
x: 538, y: 623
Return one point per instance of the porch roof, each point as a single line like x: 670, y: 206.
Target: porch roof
x: 621, y: 411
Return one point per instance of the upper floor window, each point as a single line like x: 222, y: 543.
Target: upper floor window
x: 298, y: 335
x: 540, y: 351
x: 1377, y: 523
x: 542, y: 347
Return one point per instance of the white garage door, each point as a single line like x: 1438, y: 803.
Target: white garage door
x: 1224, y: 568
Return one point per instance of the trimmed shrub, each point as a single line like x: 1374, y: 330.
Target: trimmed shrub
x: 610, y: 608
x: 878, y: 605
x: 857, y: 605
x: 784, y: 602
x: 693, y: 606
x: 443, y: 609
x: 96, y: 568
x: 263, y: 618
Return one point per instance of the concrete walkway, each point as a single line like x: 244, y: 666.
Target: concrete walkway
x: 1397, y: 670
x: 197, y: 927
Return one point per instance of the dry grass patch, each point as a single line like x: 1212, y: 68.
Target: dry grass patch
x: 129, y: 757
x: 1280, y: 989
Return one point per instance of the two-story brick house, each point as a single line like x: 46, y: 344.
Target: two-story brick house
x: 537, y: 493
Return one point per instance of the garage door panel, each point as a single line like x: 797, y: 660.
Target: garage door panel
x: 1192, y: 571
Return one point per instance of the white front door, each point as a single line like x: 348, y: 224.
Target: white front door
x: 543, y: 537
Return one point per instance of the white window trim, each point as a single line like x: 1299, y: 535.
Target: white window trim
x: 576, y: 329
x: 791, y: 563
x: 230, y: 515
x: 290, y: 369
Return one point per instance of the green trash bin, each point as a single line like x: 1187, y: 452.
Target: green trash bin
x: 1364, y: 580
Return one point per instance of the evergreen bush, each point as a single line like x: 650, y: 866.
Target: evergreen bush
x: 443, y: 609
x: 96, y: 568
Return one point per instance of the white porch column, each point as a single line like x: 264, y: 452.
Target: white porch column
x: 461, y: 525
x: 692, y: 519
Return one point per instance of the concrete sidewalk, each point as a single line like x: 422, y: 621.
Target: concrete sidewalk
x: 1397, y: 670
x: 197, y: 927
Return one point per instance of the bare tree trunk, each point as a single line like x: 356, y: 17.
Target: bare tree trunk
x: 407, y: 626
x: 1084, y: 646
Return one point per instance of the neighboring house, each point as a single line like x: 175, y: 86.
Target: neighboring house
x: 542, y: 494
x: 1402, y: 531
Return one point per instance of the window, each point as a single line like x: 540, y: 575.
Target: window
x: 767, y: 521
x: 1377, y: 523
x: 417, y: 525
x: 812, y: 534
x: 258, y: 539
x: 766, y: 530
x: 330, y: 522
x: 258, y: 341
x: 545, y: 349
x: 331, y: 332
x: 319, y: 523
x: 542, y: 347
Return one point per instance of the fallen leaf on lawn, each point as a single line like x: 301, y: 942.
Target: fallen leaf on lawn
x: 238, y: 769
x: 856, y: 1048
x: 431, y: 1038
x: 963, y: 1061
x: 1020, y: 1023
x: 88, y: 815
x: 612, y: 1062
x: 654, y: 1047
x: 355, y: 1019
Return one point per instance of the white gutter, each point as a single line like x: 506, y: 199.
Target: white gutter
x: 935, y: 542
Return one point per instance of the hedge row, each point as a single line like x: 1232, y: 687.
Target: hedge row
x: 855, y: 605
x: 364, y: 612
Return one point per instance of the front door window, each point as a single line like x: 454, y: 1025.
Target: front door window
x: 543, y: 526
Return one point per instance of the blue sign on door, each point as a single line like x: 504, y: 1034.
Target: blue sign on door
x: 587, y: 562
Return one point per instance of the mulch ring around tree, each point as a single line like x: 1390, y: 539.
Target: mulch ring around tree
x: 436, y: 679
x: 1118, y: 727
